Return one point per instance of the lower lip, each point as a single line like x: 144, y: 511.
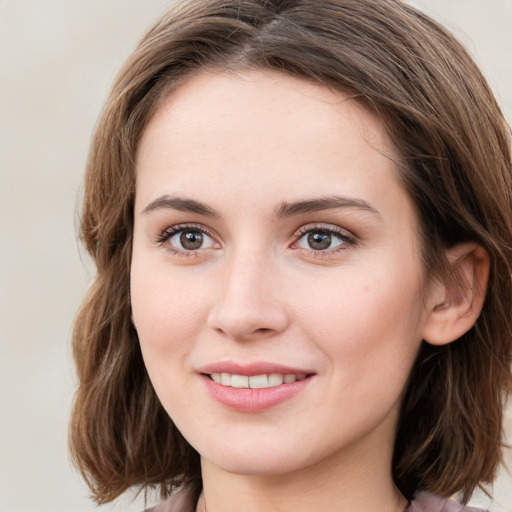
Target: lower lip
x: 254, y: 400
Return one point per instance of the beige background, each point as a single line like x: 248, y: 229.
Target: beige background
x: 57, y: 59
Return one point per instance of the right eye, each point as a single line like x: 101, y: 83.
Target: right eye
x: 186, y: 239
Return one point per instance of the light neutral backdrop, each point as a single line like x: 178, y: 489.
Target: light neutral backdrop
x: 57, y: 60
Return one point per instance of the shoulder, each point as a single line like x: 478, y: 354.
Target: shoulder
x: 182, y: 501
x: 426, y: 502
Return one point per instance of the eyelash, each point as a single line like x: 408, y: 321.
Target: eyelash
x: 347, y: 240
x: 168, y: 233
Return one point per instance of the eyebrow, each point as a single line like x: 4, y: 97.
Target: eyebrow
x: 182, y: 205
x: 286, y: 209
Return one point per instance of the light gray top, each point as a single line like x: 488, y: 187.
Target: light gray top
x: 183, y: 501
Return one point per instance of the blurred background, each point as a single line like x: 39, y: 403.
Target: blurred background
x: 57, y: 61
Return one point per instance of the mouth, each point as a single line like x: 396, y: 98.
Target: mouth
x: 254, y: 387
x: 262, y: 381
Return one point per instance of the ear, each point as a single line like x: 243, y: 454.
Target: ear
x: 455, y: 306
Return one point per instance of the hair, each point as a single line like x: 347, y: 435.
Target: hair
x: 454, y: 160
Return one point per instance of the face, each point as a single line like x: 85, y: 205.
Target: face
x: 276, y: 282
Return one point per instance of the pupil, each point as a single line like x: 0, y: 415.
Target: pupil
x: 319, y: 240
x: 191, y: 240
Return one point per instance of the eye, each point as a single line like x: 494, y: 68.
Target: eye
x: 183, y: 239
x: 323, y: 239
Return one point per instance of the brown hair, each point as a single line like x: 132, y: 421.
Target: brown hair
x: 455, y: 163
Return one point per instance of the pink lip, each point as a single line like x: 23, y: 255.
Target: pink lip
x: 253, y: 400
x: 251, y: 369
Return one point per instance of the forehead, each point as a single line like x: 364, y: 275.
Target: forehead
x: 211, y: 97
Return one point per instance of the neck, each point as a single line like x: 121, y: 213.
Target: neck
x: 359, y: 481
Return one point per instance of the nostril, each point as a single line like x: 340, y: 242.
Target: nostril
x: 243, y: 321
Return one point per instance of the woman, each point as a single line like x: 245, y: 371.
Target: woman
x: 300, y: 214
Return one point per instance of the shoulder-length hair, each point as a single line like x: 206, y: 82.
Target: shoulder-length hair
x: 455, y: 163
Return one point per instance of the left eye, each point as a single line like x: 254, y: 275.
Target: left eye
x: 320, y: 240
x: 190, y: 240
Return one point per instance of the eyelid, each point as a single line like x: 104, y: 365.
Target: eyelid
x: 347, y: 237
x: 166, y: 234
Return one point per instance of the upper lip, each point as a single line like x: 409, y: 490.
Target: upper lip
x: 253, y: 368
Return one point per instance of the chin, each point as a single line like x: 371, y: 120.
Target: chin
x: 264, y: 456
x: 262, y: 465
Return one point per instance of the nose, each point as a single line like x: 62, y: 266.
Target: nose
x: 250, y: 303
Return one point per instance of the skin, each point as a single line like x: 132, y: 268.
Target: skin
x: 354, y: 314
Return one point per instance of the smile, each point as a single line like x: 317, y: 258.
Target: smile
x: 255, y: 381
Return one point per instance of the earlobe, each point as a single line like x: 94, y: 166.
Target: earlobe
x: 455, y: 306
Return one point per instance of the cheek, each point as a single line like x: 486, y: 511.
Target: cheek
x: 373, y: 317
x: 168, y: 311
x: 168, y: 314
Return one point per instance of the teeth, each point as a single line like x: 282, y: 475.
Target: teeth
x: 275, y: 379
x: 239, y: 381
x: 258, y: 381
x: 255, y: 381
